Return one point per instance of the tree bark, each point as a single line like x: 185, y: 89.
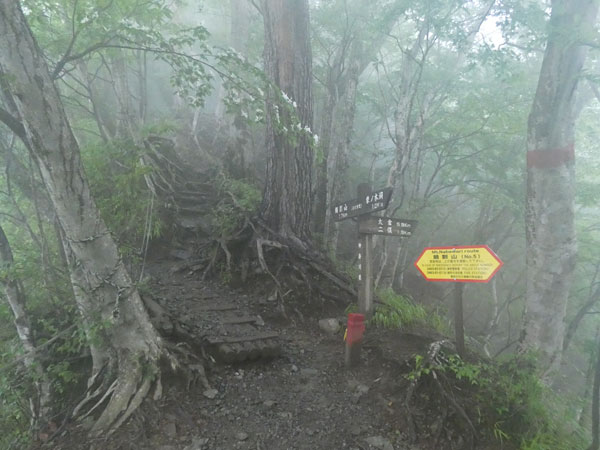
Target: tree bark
x: 550, y: 227
x: 287, y: 197
x: 596, y: 406
x: 571, y: 328
x: 112, y: 301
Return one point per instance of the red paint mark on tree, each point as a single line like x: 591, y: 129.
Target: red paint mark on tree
x: 550, y: 159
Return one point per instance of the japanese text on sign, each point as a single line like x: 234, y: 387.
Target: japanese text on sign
x: 375, y: 201
x: 387, y: 226
x: 466, y: 263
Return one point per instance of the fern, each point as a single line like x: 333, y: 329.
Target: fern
x: 398, y: 311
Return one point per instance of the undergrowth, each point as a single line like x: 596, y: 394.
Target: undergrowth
x: 117, y: 176
x: 398, y: 311
x: 507, y: 402
x: 239, y: 200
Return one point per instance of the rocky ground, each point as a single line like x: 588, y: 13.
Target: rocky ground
x: 303, y: 399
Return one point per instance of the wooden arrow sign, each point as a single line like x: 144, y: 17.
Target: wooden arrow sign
x: 374, y: 201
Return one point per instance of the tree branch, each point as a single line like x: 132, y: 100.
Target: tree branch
x: 12, y: 123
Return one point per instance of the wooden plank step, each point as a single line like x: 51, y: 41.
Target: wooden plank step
x: 238, y: 339
x: 238, y: 320
x: 215, y: 307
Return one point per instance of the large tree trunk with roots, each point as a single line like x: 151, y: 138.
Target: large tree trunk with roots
x: 287, y: 198
x: 550, y: 228
x: 132, y: 346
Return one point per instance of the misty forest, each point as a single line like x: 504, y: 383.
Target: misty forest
x: 300, y: 224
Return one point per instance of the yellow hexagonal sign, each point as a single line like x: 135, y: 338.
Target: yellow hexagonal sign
x: 468, y: 263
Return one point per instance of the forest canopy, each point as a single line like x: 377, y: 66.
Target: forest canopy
x: 228, y: 131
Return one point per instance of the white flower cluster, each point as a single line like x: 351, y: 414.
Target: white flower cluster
x: 289, y: 100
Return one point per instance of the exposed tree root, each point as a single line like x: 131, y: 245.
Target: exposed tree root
x: 292, y: 265
x: 130, y: 384
x: 118, y: 394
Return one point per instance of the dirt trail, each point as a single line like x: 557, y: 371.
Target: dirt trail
x: 305, y: 399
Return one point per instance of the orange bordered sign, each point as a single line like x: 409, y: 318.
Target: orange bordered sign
x: 467, y: 263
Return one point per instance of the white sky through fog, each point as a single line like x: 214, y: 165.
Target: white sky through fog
x: 490, y: 32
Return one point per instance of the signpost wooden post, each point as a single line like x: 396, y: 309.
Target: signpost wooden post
x: 365, y: 260
x: 367, y: 202
x: 459, y: 264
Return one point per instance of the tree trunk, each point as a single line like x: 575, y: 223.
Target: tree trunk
x: 326, y: 134
x: 287, y: 197
x: 127, y: 126
x: 237, y: 157
x: 584, y: 414
x: 112, y: 301
x: 340, y: 150
x: 550, y: 228
x: 571, y: 329
x: 343, y: 76
x: 15, y: 296
x: 596, y: 406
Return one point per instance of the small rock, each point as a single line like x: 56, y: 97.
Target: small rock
x: 210, y: 393
x: 330, y: 326
x: 241, y: 436
x: 362, y: 389
x: 358, y: 430
x: 198, y: 444
x: 309, y: 372
x: 379, y: 442
x: 269, y: 404
x: 294, y: 368
x: 259, y: 321
x: 181, y: 254
x: 171, y: 429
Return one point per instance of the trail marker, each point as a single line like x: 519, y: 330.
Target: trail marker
x: 367, y: 202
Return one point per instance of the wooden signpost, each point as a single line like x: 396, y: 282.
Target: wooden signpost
x: 387, y: 226
x: 459, y: 264
x: 367, y: 202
